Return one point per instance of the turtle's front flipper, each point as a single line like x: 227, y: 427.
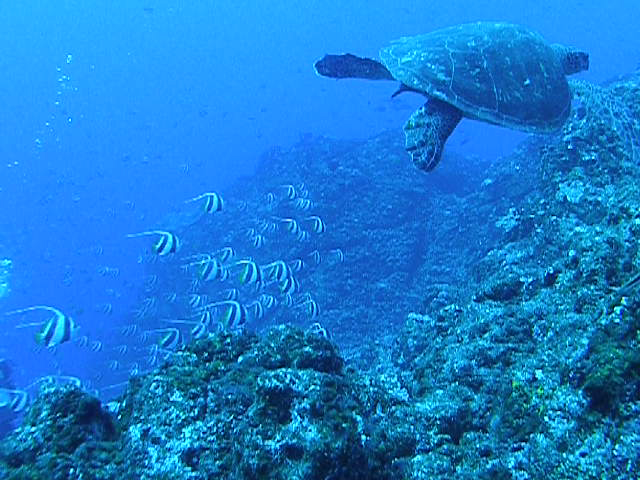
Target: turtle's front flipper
x: 350, y: 66
x: 427, y: 131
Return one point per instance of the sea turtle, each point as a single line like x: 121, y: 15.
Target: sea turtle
x: 500, y: 73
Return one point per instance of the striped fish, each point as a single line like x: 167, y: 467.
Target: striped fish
x: 212, y: 202
x: 251, y: 273
x: 317, y: 224
x: 166, y: 244
x: 234, y: 316
x: 59, y: 329
x: 277, y: 270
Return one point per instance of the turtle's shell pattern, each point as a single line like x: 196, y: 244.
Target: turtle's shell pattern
x: 497, y: 72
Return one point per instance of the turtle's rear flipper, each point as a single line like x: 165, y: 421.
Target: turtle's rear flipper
x: 350, y: 66
x: 427, y: 131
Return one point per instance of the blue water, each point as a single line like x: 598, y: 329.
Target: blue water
x: 114, y: 113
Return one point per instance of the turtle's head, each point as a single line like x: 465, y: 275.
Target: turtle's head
x: 572, y: 60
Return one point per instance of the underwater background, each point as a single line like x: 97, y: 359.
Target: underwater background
x: 117, y: 116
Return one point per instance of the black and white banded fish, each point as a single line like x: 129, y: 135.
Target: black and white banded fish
x: 296, y: 265
x: 287, y: 300
x: 251, y: 273
x: 167, y: 243
x: 317, y: 329
x: 59, y: 329
x: 258, y: 241
x: 315, y: 255
x: 200, y: 327
x: 317, y: 224
x: 291, y: 224
x: 199, y: 330
x: 289, y: 286
x: 268, y: 301
x: 256, y: 308
x: 234, y: 316
x: 231, y: 294
x: 338, y: 253
x: 16, y: 400
x: 129, y: 330
x: 212, y: 202
x: 302, y: 190
x: 271, y: 199
x: 197, y: 300
x: 311, y: 306
x: 303, y: 236
x: 225, y: 254
x: 290, y: 191
x: 277, y: 271
x: 171, y: 297
x: 303, y: 204
x: 170, y: 338
x: 211, y: 269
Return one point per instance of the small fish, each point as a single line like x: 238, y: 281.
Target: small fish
x: 291, y: 225
x: 196, y: 300
x: 303, y: 236
x: 171, y: 297
x: 129, y: 330
x: 289, y: 286
x: 317, y: 329
x: 258, y: 241
x: 105, y: 271
x: 315, y: 255
x: 213, y: 202
x: 150, y: 282
x: 168, y: 242
x: 287, y: 300
x: 296, y: 265
x: 122, y: 349
x: 277, y: 271
x: 231, y: 294
x: 199, y: 330
x: 225, y: 254
x: 258, y: 309
x: 268, y: 301
x: 271, y: 199
x: 224, y: 275
x: 106, y: 308
x: 15, y: 399
x: 251, y: 273
x: 311, y: 306
x: 266, y: 226
x: 302, y: 190
x: 303, y: 204
x: 171, y: 339
x: 290, y: 191
x: 338, y: 253
x: 206, y: 319
x: 211, y: 269
x: 59, y: 329
x: 235, y: 315
x: 317, y: 224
